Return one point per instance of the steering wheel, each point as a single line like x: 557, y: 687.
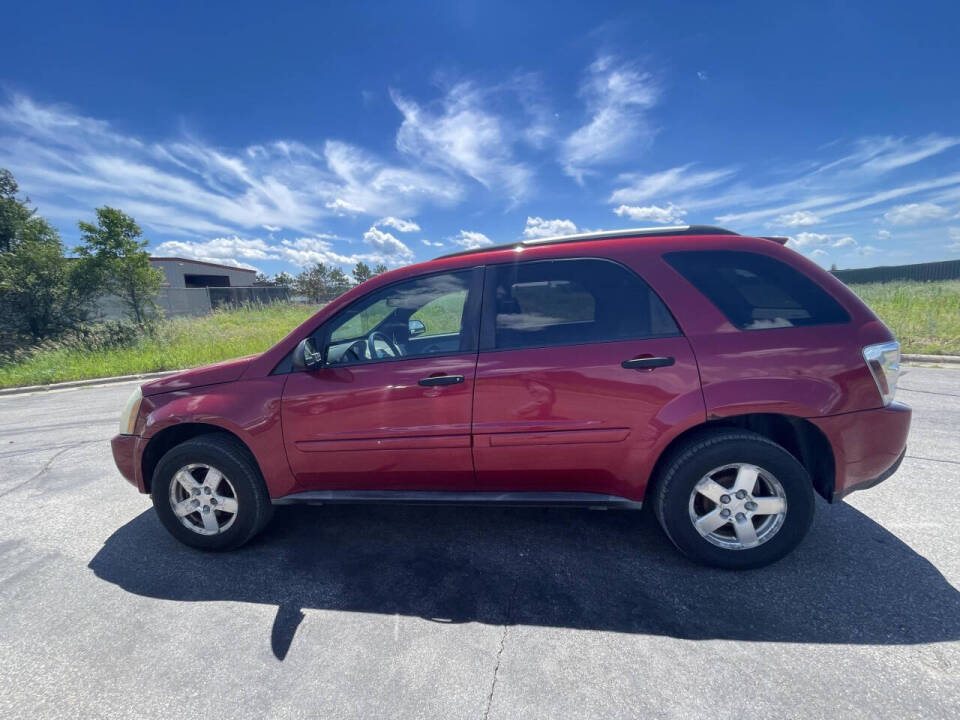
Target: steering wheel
x: 372, y: 345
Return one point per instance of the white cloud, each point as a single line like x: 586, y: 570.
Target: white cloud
x: 342, y: 207
x: 867, y: 250
x: 462, y: 135
x: 617, y: 96
x: 884, y: 234
x: 809, y: 239
x: 666, y: 215
x: 845, y: 241
x: 702, y: 75
x: 914, y: 213
x: 469, y: 239
x: 674, y: 181
x: 800, y: 218
x: 272, y: 228
x: 538, y: 227
x: 386, y: 244
x: 186, y: 186
x: 954, y: 235
x: 398, y: 224
x: 818, y: 253
x: 432, y: 243
x: 882, y: 154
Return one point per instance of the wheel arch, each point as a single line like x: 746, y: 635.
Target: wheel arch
x: 176, y: 434
x: 798, y: 436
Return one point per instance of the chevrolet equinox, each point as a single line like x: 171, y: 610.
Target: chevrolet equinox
x: 723, y: 379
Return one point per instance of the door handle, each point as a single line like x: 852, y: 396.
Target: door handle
x: 647, y: 363
x: 435, y: 380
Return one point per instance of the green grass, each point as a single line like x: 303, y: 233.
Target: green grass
x: 177, y: 343
x: 924, y: 316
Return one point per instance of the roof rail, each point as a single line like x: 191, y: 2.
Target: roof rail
x: 601, y: 235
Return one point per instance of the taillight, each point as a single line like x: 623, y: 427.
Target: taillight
x: 883, y: 360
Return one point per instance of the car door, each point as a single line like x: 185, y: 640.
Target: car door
x: 390, y: 408
x: 581, y: 370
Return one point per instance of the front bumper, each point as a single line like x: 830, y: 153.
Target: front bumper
x: 126, y: 454
x: 868, y: 446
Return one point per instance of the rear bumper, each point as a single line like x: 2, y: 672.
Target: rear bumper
x: 868, y: 446
x: 126, y: 455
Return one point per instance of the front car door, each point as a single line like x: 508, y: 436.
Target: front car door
x: 554, y: 407
x: 390, y: 408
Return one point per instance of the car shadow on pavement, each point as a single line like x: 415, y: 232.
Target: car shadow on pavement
x: 851, y: 581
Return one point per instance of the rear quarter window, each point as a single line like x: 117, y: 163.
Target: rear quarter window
x: 757, y: 292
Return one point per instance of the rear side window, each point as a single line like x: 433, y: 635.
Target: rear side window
x: 756, y: 292
x: 570, y: 302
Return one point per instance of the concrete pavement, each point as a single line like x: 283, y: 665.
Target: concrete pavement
x: 465, y: 612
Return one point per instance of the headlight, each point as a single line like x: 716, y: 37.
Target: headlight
x: 884, y: 362
x: 128, y: 418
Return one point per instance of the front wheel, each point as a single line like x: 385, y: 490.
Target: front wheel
x: 733, y: 499
x: 209, y: 494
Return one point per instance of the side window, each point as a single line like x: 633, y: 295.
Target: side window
x: 757, y: 292
x: 571, y: 302
x: 418, y: 317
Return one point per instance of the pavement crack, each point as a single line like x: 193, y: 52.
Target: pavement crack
x: 936, y: 460
x: 503, y: 639
x: 928, y: 392
x: 46, y: 466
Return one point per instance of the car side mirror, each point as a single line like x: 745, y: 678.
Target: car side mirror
x: 416, y: 327
x: 306, y: 356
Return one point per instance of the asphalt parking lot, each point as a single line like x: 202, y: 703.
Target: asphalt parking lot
x: 465, y: 612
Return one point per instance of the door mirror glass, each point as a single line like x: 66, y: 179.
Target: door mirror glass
x: 416, y: 327
x: 307, y: 356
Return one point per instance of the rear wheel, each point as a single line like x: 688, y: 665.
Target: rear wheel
x: 209, y: 494
x: 733, y: 499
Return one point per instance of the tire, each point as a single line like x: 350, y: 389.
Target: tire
x: 779, y: 508
x: 235, y: 509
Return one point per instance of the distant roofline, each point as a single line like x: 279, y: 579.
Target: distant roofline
x: 203, y: 262
x: 600, y: 235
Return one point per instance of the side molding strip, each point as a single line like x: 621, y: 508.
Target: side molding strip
x: 432, y: 497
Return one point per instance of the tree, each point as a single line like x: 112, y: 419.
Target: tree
x: 282, y: 279
x: 261, y: 280
x: 380, y: 269
x: 338, y: 281
x: 314, y: 283
x: 42, y: 293
x: 14, y: 213
x: 362, y: 272
x: 122, y: 263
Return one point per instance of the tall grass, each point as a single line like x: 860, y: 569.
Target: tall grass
x: 174, y: 344
x: 924, y: 316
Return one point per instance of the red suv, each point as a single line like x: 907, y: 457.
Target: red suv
x: 722, y: 378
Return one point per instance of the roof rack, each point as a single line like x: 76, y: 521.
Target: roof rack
x: 603, y: 235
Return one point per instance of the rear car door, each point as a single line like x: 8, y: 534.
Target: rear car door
x: 390, y: 408
x: 581, y: 372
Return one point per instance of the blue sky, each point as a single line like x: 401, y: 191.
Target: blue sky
x: 274, y: 135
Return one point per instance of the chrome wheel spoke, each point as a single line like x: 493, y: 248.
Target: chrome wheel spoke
x: 746, y: 478
x: 711, y: 489
x: 226, y: 504
x: 212, y: 480
x: 210, y: 523
x: 710, y: 522
x: 769, y: 505
x: 746, y: 533
x: 186, y: 480
x: 185, y: 507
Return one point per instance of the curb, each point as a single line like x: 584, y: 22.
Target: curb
x: 951, y: 359
x: 24, y: 389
